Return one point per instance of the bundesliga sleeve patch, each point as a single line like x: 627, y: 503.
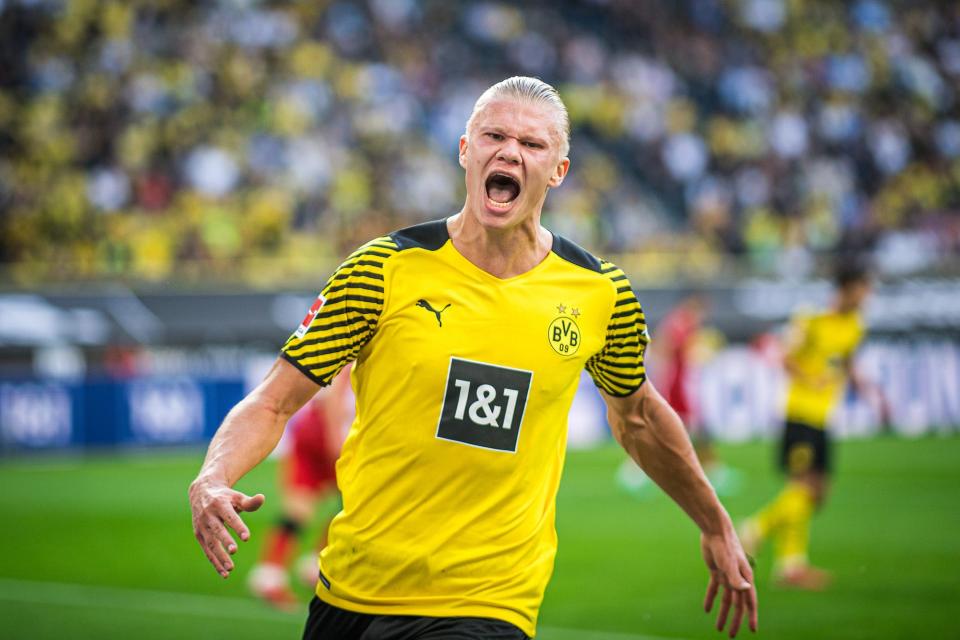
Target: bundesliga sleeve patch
x: 311, y: 314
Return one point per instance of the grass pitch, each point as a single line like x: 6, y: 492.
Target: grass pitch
x: 101, y: 547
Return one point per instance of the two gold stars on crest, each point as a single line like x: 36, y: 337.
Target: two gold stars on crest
x: 574, y: 311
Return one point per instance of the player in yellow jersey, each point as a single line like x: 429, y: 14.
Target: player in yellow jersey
x: 468, y: 336
x: 819, y: 363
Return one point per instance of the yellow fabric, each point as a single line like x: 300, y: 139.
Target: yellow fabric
x: 819, y: 346
x: 787, y: 520
x: 431, y: 525
x: 800, y: 458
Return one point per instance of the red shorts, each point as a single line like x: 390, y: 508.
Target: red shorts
x: 310, y: 463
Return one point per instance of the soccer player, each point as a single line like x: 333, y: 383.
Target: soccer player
x: 468, y: 336
x: 819, y: 362
x: 676, y: 336
x: 308, y: 476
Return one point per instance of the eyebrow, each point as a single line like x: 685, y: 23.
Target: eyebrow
x: 527, y: 138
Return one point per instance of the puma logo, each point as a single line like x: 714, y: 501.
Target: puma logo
x: 426, y: 305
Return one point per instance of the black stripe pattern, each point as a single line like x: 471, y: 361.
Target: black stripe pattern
x: 618, y: 369
x: 348, y: 319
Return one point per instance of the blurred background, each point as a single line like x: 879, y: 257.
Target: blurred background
x: 177, y: 180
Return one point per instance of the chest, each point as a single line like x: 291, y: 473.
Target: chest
x: 831, y: 339
x: 549, y: 325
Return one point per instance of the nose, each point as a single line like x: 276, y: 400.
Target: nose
x: 510, y: 151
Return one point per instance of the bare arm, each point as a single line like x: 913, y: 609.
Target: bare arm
x: 335, y: 410
x: 792, y: 367
x: 861, y: 386
x: 248, y: 434
x: 796, y: 342
x: 870, y: 391
x: 793, y: 344
x: 653, y: 435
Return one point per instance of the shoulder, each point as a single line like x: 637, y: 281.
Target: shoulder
x: 837, y: 322
x: 427, y: 235
x: 376, y: 249
x: 858, y: 325
x: 807, y: 316
x: 576, y: 255
x: 626, y: 313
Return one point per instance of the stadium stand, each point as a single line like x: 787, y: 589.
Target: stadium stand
x: 248, y: 140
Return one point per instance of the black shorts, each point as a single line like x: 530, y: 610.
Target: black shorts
x: 327, y: 622
x: 804, y: 448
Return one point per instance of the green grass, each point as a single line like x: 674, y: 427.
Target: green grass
x: 101, y: 547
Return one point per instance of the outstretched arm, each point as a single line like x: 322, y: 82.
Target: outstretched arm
x: 653, y: 435
x: 871, y: 392
x: 248, y: 434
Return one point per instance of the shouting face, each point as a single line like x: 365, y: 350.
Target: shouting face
x: 511, y: 155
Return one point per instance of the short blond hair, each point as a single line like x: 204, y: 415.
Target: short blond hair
x: 531, y: 90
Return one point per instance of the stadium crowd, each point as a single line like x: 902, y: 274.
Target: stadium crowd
x: 252, y: 139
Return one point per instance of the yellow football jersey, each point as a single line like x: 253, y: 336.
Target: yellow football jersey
x: 819, y: 346
x: 463, y: 382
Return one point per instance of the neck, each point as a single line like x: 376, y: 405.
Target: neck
x: 503, y: 253
x: 842, y: 306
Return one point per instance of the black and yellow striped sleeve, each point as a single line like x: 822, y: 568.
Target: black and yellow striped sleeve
x: 618, y: 368
x: 352, y: 302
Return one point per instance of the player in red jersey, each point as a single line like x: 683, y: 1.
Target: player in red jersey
x: 676, y: 337
x: 307, y: 476
x: 680, y: 341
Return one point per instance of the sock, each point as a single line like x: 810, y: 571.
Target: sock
x: 279, y: 546
x: 769, y: 519
x: 792, y: 536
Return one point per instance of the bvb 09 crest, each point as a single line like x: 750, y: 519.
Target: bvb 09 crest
x: 564, y: 335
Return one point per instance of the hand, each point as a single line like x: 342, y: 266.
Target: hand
x: 729, y: 568
x: 214, y: 506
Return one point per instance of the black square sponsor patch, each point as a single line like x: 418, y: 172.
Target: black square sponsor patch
x: 483, y: 404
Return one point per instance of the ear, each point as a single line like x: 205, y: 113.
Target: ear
x: 463, y: 151
x: 561, y: 172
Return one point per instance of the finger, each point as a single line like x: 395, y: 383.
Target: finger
x: 724, y: 608
x: 749, y: 595
x: 734, y: 572
x: 223, y: 558
x: 211, y: 557
x: 739, y: 599
x: 215, y: 562
x: 235, y: 522
x: 752, y: 608
x: 226, y: 541
x: 746, y: 568
x: 214, y: 531
x: 248, y: 503
x: 712, y: 588
x: 739, y: 582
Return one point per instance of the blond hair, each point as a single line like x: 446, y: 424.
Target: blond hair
x: 530, y: 90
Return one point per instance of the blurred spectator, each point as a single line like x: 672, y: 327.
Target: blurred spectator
x: 187, y: 140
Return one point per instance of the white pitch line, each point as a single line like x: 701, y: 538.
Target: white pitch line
x: 210, y: 606
x: 196, y: 604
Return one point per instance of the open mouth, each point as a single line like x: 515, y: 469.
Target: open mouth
x: 502, y: 190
